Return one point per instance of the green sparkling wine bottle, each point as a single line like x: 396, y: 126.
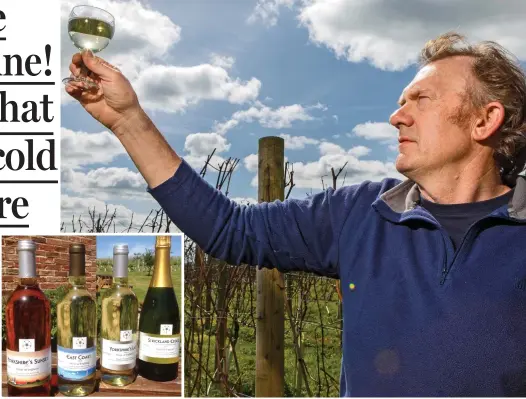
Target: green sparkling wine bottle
x: 159, y: 325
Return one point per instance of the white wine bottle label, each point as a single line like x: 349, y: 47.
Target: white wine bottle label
x: 28, y: 369
x: 126, y: 335
x: 80, y: 342
x: 76, y: 364
x: 160, y: 349
x: 118, y: 355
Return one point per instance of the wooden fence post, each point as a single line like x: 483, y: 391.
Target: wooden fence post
x: 270, y: 354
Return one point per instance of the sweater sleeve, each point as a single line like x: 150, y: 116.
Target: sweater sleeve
x: 291, y: 235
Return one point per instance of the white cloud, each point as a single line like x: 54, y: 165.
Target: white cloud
x: 359, y: 151
x: 277, y: 118
x: 222, y: 61
x: 267, y: 11
x: 245, y: 200
x: 104, y: 183
x: 132, y: 47
x: 327, y: 148
x: 251, y: 162
x: 297, y: 142
x: 390, y: 34
x: 198, y: 161
x: 379, y: 131
x: 74, y: 207
x: 309, y: 174
x: 81, y: 148
x: 140, y: 53
x: 202, y: 144
x: 364, y: 31
x: 173, y: 88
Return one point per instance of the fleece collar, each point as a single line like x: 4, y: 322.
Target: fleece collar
x: 406, y: 195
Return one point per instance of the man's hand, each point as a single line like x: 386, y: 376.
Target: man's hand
x: 115, y: 105
x: 114, y: 101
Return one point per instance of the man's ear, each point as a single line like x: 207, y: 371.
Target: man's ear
x: 489, y: 120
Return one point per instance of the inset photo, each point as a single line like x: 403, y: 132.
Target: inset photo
x: 91, y: 315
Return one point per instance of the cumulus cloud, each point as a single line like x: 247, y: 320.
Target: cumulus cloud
x: 140, y: 54
x: 222, y: 61
x: 173, y: 88
x: 80, y: 148
x: 359, y: 151
x: 198, y: 161
x: 132, y: 46
x: 199, y: 144
x: 390, y: 34
x: 274, y: 118
x: 79, y: 206
x: 104, y: 183
x: 267, y: 11
x: 379, y: 131
x: 297, y: 142
x: 251, y: 162
x: 245, y: 200
x: 309, y: 174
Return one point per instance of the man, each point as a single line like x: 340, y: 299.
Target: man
x: 433, y: 269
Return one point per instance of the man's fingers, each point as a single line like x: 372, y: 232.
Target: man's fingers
x: 73, y: 91
x: 76, y: 59
x: 74, y: 69
x: 97, y: 65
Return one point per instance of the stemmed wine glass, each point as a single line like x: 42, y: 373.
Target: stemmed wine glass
x: 89, y: 28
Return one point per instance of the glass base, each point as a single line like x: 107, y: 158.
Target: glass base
x: 76, y: 390
x: 117, y: 380
x: 80, y: 83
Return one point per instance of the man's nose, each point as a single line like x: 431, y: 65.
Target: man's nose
x: 401, y: 117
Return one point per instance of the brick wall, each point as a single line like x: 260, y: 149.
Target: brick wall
x: 52, y: 260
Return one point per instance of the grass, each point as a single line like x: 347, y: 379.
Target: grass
x: 320, y: 383
x: 140, y: 282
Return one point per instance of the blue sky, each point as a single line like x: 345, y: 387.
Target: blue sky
x: 325, y: 75
x: 136, y: 244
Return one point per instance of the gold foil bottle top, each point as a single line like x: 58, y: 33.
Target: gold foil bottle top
x: 161, y: 270
x: 163, y: 241
x: 77, y: 249
x: 77, y: 260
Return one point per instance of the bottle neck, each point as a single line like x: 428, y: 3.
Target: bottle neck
x: 77, y: 281
x: 120, y: 266
x: 27, y: 267
x: 120, y: 281
x: 77, y: 269
x: 28, y: 281
x: 162, y: 275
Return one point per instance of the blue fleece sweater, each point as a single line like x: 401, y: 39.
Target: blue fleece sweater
x: 422, y: 319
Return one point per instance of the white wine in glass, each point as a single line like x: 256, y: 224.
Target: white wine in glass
x: 89, y: 28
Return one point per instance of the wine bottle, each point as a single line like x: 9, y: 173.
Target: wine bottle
x: 159, y: 324
x: 90, y: 33
x: 119, y: 325
x: 28, y: 325
x: 77, y: 331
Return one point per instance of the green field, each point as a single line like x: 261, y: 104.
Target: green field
x: 140, y: 282
x: 320, y: 346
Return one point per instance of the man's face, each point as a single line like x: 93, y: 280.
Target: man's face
x: 434, y: 120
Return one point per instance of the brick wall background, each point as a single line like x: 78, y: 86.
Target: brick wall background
x: 52, y: 260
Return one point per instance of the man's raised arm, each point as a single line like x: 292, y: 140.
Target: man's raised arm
x: 290, y: 235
